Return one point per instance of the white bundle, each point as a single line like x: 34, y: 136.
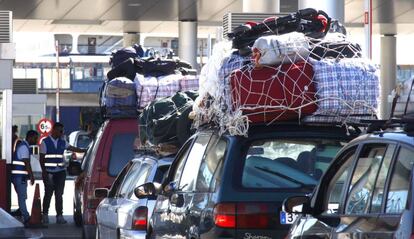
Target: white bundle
x: 281, y: 49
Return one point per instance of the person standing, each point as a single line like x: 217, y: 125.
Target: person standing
x: 54, y: 171
x: 21, y: 171
x: 15, y: 137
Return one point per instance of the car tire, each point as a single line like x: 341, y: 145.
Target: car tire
x: 77, y: 216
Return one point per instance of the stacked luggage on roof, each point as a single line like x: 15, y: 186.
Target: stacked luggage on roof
x: 299, y: 67
x: 157, y: 89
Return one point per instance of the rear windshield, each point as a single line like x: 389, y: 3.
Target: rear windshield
x: 122, y: 151
x: 83, y: 141
x: 277, y: 163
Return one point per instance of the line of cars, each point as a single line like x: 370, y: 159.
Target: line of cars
x: 222, y: 186
x: 111, y: 149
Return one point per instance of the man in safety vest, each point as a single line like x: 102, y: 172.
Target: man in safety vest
x: 54, y: 171
x: 21, y: 170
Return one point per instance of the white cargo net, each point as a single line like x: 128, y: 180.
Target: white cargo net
x: 287, y: 77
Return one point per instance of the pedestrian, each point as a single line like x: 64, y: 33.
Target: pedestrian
x: 15, y: 137
x: 54, y: 171
x: 21, y: 171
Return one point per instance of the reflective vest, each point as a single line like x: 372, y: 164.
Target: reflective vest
x: 54, y: 156
x: 18, y: 166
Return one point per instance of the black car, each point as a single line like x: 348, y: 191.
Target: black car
x: 365, y: 193
x: 233, y: 186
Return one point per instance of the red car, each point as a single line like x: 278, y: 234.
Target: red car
x: 112, y: 149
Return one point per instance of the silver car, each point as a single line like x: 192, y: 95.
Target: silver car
x: 121, y: 214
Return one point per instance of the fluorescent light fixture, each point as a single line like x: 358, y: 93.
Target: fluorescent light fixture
x: 134, y: 4
x: 76, y: 22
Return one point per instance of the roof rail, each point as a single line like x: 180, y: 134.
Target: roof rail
x: 406, y: 122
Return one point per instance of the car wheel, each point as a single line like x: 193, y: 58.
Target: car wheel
x: 77, y: 216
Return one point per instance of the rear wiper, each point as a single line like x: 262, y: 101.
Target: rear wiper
x: 285, y: 177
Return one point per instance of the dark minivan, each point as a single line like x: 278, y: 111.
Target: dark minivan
x: 223, y: 186
x: 367, y: 192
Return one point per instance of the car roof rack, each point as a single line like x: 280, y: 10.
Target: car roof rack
x: 355, y: 126
x: 406, y: 123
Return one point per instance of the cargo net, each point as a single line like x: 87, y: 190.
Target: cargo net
x: 287, y: 78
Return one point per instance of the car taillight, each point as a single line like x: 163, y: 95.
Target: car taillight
x: 225, y: 215
x: 242, y: 215
x: 139, y: 221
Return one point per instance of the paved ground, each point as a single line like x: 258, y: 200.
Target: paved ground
x: 54, y: 230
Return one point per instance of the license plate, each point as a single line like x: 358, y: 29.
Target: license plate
x: 287, y: 218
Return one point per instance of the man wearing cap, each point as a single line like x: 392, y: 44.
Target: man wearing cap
x: 54, y: 171
x: 21, y: 171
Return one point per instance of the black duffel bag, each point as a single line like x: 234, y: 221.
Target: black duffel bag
x: 166, y: 120
x: 126, y: 69
x: 148, y: 67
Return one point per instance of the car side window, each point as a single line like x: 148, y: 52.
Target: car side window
x: 182, y: 157
x: 139, y: 178
x: 190, y: 172
x: 160, y: 173
x: 118, y: 181
x: 94, y: 149
x: 400, y: 181
x: 378, y: 194
x: 122, y: 151
x: 336, y: 186
x: 214, y: 156
x: 363, y: 179
x: 129, y: 179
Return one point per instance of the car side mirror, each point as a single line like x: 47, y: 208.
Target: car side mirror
x: 297, y: 204
x: 74, y: 168
x: 101, y: 192
x: 147, y: 190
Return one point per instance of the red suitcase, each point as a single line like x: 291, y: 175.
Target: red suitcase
x: 273, y: 93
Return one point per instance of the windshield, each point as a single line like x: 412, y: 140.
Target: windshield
x: 277, y: 163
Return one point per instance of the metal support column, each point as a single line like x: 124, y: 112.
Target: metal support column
x: 7, y: 56
x: 261, y: 6
x: 75, y: 42
x: 187, y: 31
x: 7, y: 119
x: 388, y: 72
x: 131, y: 38
x: 187, y: 42
x: 334, y: 8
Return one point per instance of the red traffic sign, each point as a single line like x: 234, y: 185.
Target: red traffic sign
x: 41, y: 138
x: 44, y: 126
